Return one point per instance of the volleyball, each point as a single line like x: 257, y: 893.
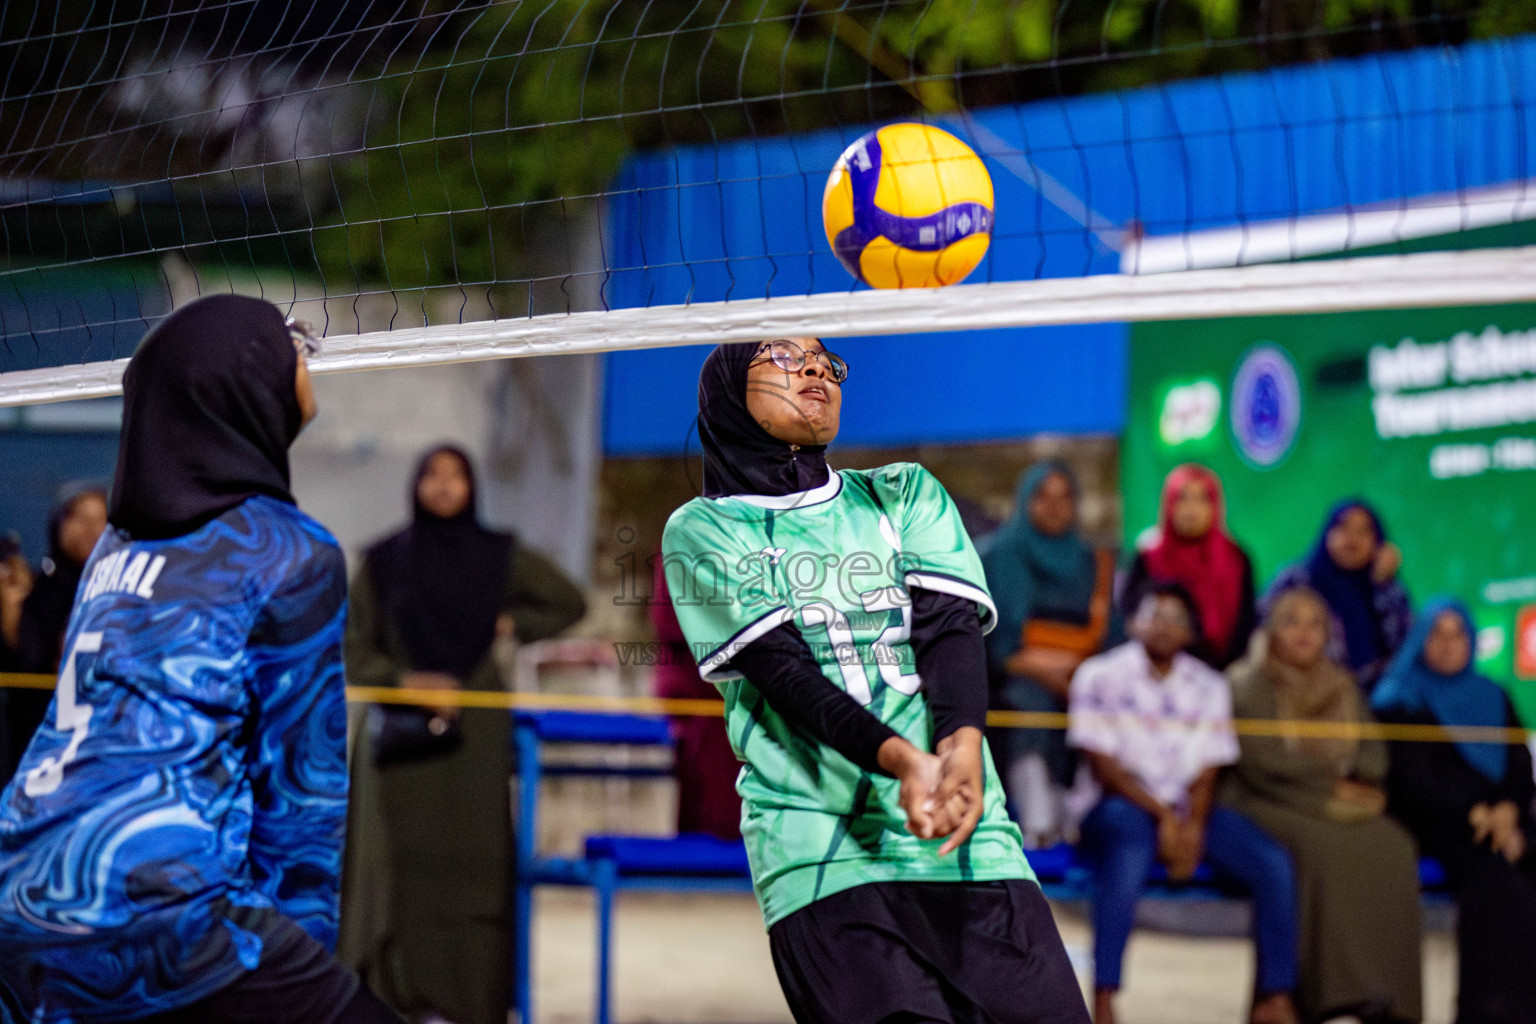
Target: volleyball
x: 908, y: 206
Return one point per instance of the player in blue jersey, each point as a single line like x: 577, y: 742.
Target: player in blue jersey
x: 170, y: 848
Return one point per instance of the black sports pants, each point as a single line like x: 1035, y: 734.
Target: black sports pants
x: 927, y: 953
x: 295, y: 982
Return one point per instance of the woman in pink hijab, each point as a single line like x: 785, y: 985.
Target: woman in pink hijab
x: 1194, y: 549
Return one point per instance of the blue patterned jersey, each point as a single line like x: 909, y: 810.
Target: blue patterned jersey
x: 191, y: 771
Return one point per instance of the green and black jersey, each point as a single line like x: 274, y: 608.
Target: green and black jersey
x: 839, y: 563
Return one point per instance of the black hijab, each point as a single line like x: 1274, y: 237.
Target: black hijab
x: 740, y: 457
x: 209, y: 411
x: 442, y: 581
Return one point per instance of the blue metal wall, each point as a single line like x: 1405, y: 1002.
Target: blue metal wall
x: 743, y: 220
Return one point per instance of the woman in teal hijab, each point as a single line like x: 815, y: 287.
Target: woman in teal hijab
x: 1469, y: 804
x: 1053, y: 607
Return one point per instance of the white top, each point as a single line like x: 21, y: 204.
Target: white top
x: 1163, y: 731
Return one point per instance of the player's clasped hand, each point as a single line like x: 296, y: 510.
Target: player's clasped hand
x: 919, y: 773
x: 958, y: 799
x: 940, y: 793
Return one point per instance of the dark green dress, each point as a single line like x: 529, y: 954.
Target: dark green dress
x: 1357, y: 877
x: 426, y: 915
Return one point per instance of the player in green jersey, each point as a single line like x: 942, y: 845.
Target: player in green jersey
x: 841, y: 614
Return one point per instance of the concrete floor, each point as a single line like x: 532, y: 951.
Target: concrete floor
x: 703, y: 959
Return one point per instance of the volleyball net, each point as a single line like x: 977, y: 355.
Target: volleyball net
x: 450, y: 180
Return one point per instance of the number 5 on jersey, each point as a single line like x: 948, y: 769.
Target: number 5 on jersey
x: 71, y: 717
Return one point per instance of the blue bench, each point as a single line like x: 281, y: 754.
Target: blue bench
x: 1066, y: 875
x: 609, y: 863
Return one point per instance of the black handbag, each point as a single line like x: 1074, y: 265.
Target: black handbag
x: 401, y: 734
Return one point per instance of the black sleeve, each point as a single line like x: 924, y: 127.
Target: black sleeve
x: 782, y: 668
x: 542, y: 599
x: 952, y: 659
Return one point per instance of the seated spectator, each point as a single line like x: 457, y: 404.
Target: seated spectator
x: 1053, y: 596
x: 1469, y: 804
x: 75, y: 524
x: 704, y: 764
x: 1357, y: 870
x: 1193, y: 548
x: 1155, y: 726
x: 1354, y: 567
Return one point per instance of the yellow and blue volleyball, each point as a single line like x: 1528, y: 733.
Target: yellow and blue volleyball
x: 908, y: 206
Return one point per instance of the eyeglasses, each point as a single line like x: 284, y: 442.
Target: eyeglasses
x: 303, y: 335
x: 790, y: 358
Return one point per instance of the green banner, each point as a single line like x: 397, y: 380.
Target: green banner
x: 1428, y: 414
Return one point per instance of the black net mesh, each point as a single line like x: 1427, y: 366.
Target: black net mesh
x: 422, y: 162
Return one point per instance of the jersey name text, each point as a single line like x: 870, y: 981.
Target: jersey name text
x: 125, y: 572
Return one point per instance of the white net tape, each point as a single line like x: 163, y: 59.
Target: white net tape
x: 1476, y: 277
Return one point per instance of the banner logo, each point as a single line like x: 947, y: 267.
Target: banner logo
x: 1525, y: 643
x: 1190, y: 412
x: 1266, y: 405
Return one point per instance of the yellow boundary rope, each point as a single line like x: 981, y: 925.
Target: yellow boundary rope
x: 503, y: 701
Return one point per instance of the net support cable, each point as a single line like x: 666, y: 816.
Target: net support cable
x: 1420, y: 280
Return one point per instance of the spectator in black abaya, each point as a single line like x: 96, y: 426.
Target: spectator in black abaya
x: 427, y: 899
x: 74, y: 526
x: 1469, y: 804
